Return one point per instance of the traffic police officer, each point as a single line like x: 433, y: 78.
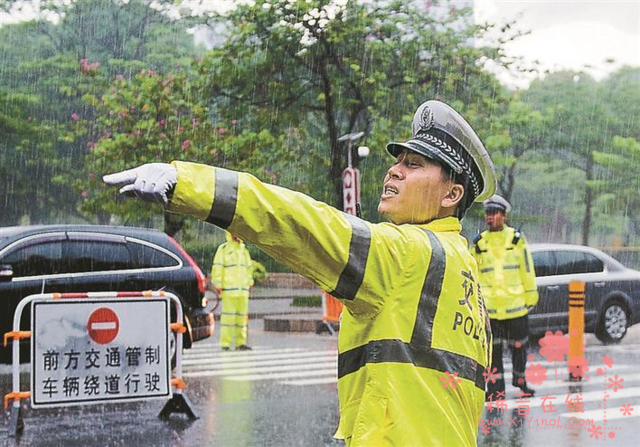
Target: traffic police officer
x: 508, y: 284
x: 232, y: 277
x: 414, y: 338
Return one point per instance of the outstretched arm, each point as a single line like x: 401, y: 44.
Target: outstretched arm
x: 334, y: 249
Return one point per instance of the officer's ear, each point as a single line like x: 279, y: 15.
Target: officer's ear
x: 454, y: 196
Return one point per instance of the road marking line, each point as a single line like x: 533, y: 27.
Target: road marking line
x: 589, y: 396
x: 276, y: 362
x: 305, y: 382
x: 278, y: 376
x: 598, y: 415
x: 223, y: 360
x: 265, y: 370
x: 218, y: 352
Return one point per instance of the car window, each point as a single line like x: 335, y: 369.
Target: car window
x: 44, y: 258
x: 96, y: 256
x: 543, y: 263
x: 574, y: 262
x: 149, y: 257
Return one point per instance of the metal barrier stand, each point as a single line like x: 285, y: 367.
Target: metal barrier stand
x: 179, y: 403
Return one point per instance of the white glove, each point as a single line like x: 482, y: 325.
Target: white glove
x: 151, y: 182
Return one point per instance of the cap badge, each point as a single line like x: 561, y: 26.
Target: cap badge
x: 426, y: 119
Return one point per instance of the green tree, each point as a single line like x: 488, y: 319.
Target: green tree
x: 24, y: 148
x: 57, y: 64
x: 583, y: 122
x: 327, y: 68
x: 518, y: 131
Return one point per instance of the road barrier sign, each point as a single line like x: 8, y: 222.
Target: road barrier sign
x: 96, y: 347
x: 98, y: 350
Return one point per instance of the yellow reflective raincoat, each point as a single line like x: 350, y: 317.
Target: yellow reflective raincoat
x: 414, y: 339
x: 507, y: 277
x: 231, y: 274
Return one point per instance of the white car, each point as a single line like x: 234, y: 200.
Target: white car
x: 612, y: 291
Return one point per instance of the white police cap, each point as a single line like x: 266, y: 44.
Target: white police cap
x: 440, y: 133
x: 497, y: 203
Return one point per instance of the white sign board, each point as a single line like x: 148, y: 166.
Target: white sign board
x: 95, y: 350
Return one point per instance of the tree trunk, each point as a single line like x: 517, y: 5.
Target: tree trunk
x: 336, y: 155
x: 173, y: 223
x: 588, y: 200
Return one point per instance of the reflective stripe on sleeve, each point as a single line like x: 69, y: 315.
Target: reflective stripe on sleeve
x: 353, y: 273
x: 526, y: 261
x: 418, y: 351
x: 422, y: 331
x: 486, y: 270
x: 225, y: 198
x: 511, y: 267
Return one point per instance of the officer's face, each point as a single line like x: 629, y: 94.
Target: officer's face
x: 495, y: 220
x: 413, y: 190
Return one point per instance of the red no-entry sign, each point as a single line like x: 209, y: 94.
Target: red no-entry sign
x: 103, y: 325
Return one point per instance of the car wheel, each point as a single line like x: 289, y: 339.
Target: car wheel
x: 613, y: 324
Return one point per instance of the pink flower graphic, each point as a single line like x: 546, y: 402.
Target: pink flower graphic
x: 536, y: 374
x: 608, y: 361
x: 485, y: 430
x: 450, y: 380
x: 615, y: 384
x: 595, y: 431
x: 554, y: 348
x: 490, y: 375
x: 531, y: 357
x: 578, y: 365
x: 626, y: 409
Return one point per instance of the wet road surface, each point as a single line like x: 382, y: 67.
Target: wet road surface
x: 283, y: 393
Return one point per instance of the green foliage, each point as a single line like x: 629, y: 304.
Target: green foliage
x: 57, y: 66
x: 517, y: 130
x: 24, y: 150
x: 306, y: 301
x: 283, y: 70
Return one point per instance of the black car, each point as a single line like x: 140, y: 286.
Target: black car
x: 612, y: 291
x: 86, y: 258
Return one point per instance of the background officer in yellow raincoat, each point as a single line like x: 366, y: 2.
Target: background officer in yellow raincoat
x: 508, y: 283
x: 231, y: 275
x: 414, y: 338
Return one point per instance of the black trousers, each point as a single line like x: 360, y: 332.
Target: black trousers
x: 515, y: 334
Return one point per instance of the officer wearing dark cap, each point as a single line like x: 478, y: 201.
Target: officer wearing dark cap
x: 414, y: 337
x: 508, y: 285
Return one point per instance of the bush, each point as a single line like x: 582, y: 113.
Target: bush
x: 307, y: 301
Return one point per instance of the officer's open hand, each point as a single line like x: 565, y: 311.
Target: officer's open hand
x: 152, y: 182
